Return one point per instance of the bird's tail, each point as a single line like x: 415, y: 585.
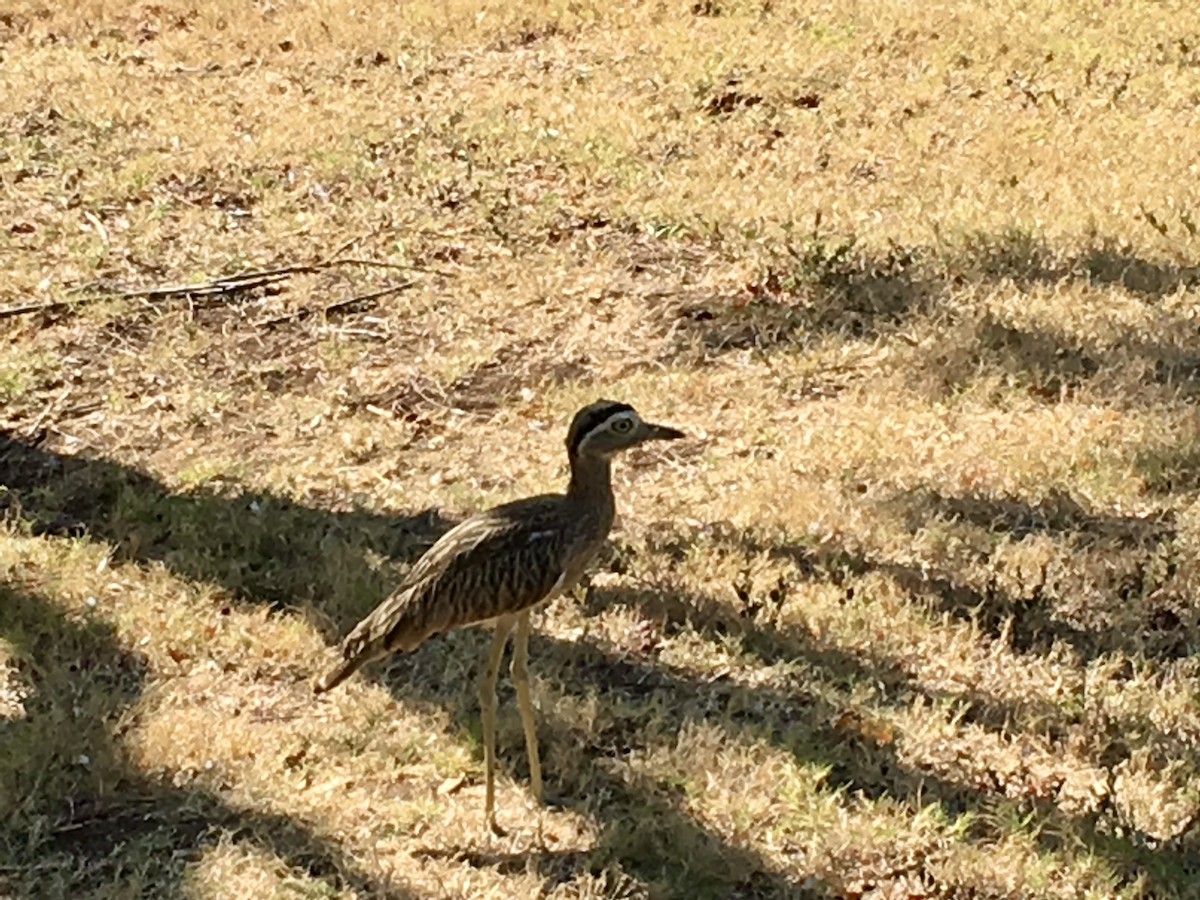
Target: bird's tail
x: 383, y: 631
x: 337, y: 675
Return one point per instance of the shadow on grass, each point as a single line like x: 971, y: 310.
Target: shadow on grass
x: 1053, y: 366
x: 1026, y: 259
x: 1171, y: 469
x: 1109, y: 583
x: 647, y: 830
x: 124, y: 829
x: 808, y: 291
x: 1113, y: 583
x: 819, y: 287
x: 801, y: 719
x: 77, y: 816
x: 259, y: 547
x: 130, y: 830
x: 1058, y: 513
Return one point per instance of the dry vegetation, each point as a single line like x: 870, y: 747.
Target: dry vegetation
x: 913, y: 615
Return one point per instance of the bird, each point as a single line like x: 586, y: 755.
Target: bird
x: 497, y: 565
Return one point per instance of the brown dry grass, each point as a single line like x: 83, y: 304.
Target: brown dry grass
x: 914, y: 613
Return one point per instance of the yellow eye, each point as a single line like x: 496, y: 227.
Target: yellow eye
x: 620, y: 426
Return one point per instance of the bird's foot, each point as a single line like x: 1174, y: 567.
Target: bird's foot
x: 494, y: 827
x: 552, y: 800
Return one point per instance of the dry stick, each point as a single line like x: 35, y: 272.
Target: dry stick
x: 220, y: 286
x: 364, y: 333
x: 226, y: 286
x: 12, y: 311
x: 244, y: 281
x: 335, y: 307
x: 380, y: 264
x: 345, y: 246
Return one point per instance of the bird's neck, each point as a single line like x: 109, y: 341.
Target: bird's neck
x: 591, y: 481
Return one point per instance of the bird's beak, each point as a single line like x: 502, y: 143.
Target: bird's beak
x: 662, y: 433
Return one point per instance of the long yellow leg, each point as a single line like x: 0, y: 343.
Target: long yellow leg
x: 520, y: 677
x: 487, y: 712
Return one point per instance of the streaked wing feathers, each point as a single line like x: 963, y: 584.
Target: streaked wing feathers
x: 496, y: 562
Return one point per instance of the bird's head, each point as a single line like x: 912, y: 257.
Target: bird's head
x: 606, y: 427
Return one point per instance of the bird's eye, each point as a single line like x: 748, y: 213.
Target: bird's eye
x: 620, y: 426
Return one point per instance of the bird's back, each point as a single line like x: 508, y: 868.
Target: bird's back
x: 496, y: 562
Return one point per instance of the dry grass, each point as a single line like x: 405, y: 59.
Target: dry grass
x: 913, y: 615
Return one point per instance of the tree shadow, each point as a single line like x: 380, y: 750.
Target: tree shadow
x: 1050, y: 366
x: 819, y: 287
x: 802, y: 720
x: 1127, y: 565
x: 1057, y: 513
x: 1172, y: 469
x: 1108, y: 583
x: 106, y: 825
x: 1026, y: 259
x: 805, y: 292
x: 646, y: 830
x: 78, y: 814
x: 646, y: 827
x: 1055, y: 366
x: 259, y: 547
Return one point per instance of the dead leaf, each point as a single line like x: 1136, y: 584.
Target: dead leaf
x: 875, y: 730
x: 176, y: 654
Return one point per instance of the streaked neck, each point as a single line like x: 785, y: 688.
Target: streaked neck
x: 591, y: 480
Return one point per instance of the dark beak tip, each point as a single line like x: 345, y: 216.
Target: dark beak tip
x: 663, y: 433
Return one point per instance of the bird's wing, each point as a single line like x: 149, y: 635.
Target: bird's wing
x: 496, y: 562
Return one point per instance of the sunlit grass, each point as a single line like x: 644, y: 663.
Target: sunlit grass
x: 912, y: 614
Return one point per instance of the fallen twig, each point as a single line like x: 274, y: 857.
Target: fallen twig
x: 381, y: 264
x: 227, y: 286
x: 339, y: 306
x: 230, y: 285
x: 28, y: 308
x: 345, y: 246
x: 233, y: 284
x: 362, y: 333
